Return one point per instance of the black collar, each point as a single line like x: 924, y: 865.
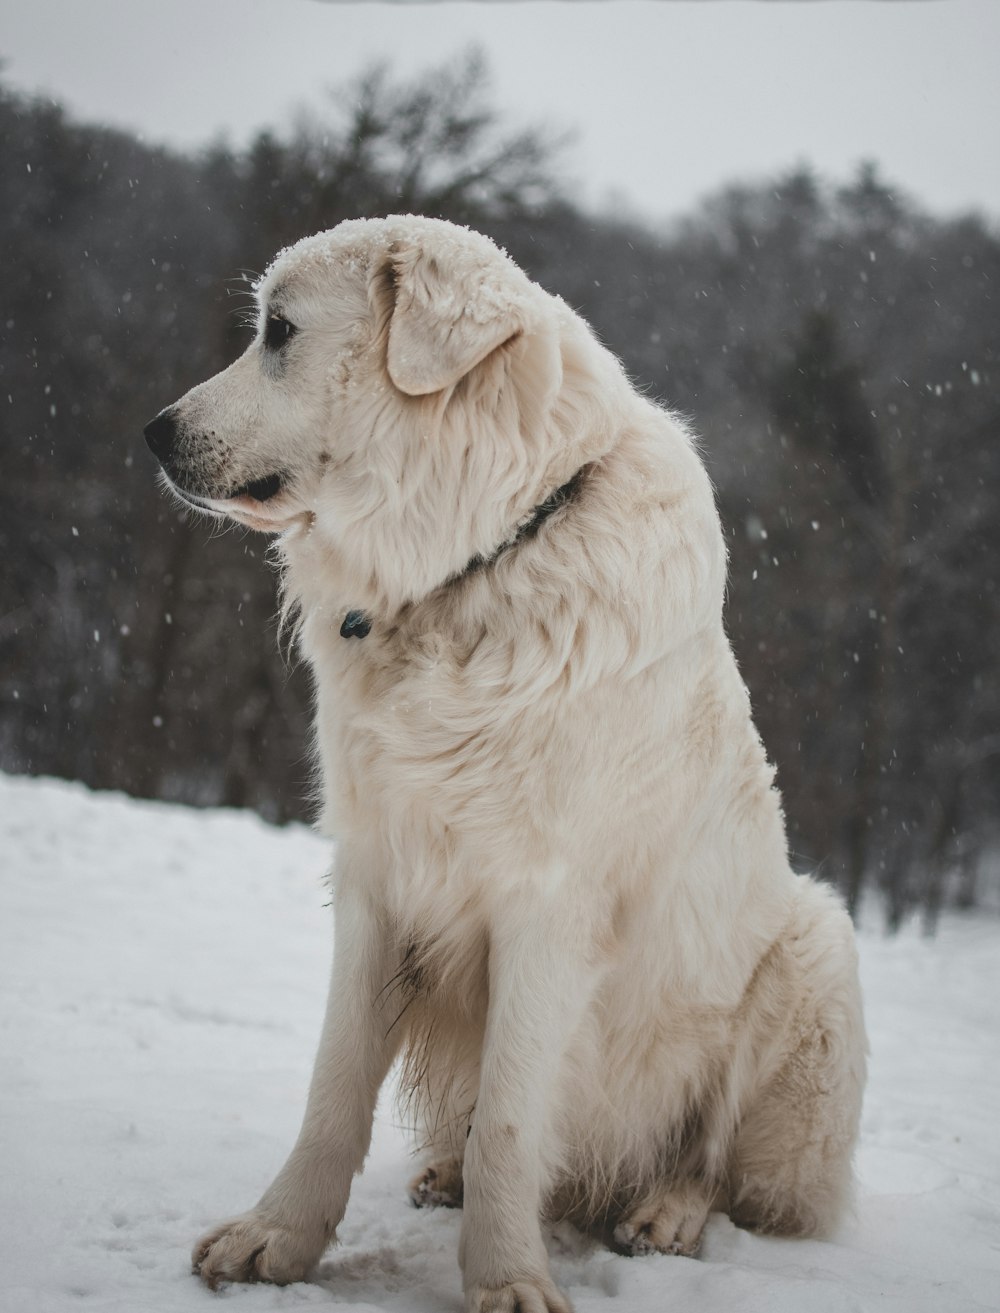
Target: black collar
x: 356, y: 623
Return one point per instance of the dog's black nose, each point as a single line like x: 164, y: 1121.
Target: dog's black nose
x: 160, y: 434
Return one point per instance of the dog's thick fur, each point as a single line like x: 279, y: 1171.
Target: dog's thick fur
x: 562, y: 887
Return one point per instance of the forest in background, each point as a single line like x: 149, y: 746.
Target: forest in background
x: 834, y: 346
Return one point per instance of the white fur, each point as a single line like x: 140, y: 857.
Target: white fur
x: 562, y: 889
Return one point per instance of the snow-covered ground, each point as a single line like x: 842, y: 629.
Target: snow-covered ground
x: 163, y: 973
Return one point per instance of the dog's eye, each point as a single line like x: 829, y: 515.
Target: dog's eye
x: 277, y: 331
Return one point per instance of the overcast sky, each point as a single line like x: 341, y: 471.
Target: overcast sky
x: 669, y: 99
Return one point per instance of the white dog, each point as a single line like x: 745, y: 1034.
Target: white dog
x: 562, y: 887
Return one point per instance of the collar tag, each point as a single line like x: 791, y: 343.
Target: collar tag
x: 356, y: 625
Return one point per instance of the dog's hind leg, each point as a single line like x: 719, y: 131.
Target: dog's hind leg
x: 790, y: 1170
x: 439, y: 1185
x: 668, y: 1221
x: 443, y: 1090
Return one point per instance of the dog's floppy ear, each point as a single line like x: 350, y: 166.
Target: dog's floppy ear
x: 452, y: 309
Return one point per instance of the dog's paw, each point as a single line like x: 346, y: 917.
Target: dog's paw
x: 439, y: 1185
x: 670, y: 1223
x: 528, y: 1296
x: 255, y: 1248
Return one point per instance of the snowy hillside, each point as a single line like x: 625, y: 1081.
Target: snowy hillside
x: 163, y: 974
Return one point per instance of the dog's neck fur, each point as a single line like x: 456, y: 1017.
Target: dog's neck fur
x: 529, y: 526
x: 357, y: 624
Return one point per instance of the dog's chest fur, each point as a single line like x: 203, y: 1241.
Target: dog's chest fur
x: 425, y: 751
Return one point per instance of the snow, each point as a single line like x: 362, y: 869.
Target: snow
x: 163, y: 974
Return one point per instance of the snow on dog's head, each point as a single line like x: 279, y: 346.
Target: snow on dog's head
x: 399, y: 403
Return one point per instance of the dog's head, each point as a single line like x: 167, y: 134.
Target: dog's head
x: 395, y: 403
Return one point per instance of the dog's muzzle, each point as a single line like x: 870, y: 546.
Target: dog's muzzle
x: 161, y: 436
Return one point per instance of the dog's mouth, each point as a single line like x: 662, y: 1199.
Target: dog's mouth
x: 256, y: 503
x: 260, y: 490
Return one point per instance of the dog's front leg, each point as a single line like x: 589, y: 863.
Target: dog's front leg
x: 539, y: 985
x: 285, y: 1235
